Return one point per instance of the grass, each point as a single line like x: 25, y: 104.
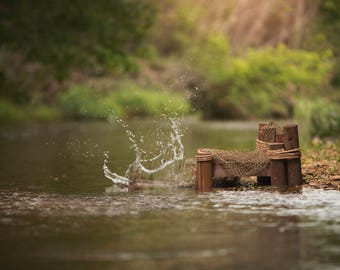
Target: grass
x: 320, y: 116
x: 84, y: 102
x: 127, y: 101
x: 11, y: 113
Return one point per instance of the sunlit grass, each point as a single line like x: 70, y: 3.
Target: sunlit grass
x: 127, y: 101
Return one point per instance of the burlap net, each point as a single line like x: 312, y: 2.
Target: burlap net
x: 241, y: 163
x: 249, y: 163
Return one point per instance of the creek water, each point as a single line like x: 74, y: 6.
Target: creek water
x: 59, y: 211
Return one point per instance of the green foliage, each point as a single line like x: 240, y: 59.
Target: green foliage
x: 43, y: 41
x: 211, y: 56
x: 79, y: 33
x: 325, y: 119
x: 264, y: 83
x: 329, y: 26
x: 10, y: 113
x: 22, y: 82
x: 176, y: 26
x: 320, y: 117
x: 43, y: 113
x: 127, y: 101
x: 82, y: 102
x: 148, y: 102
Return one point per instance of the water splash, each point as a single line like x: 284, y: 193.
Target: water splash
x: 169, y: 149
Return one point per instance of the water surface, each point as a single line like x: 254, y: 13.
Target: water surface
x: 58, y: 211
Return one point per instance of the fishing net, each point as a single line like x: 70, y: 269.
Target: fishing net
x: 250, y: 163
x: 240, y: 163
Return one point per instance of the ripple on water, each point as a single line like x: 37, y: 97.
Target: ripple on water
x: 319, y: 205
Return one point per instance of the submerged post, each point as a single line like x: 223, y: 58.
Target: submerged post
x: 265, y: 134
x: 277, y: 166
x: 291, y: 141
x: 204, y: 170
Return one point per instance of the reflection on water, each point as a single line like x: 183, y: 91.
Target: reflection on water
x: 319, y: 205
x: 173, y: 229
x: 57, y: 210
x: 67, y: 158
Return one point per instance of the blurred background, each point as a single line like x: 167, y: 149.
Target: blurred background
x: 216, y: 59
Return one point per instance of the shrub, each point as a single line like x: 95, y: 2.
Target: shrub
x: 10, y: 113
x: 325, y: 119
x: 44, y: 113
x: 133, y: 101
x: 83, y: 34
x: 264, y: 83
x: 319, y: 116
x: 211, y: 56
x: 82, y: 102
x: 129, y: 100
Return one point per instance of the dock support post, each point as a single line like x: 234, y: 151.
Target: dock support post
x: 278, y: 167
x: 265, y: 134
x: 291, y: 141
x: 204, y: 171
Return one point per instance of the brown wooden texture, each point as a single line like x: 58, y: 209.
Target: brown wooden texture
x: 279, y: 138
x: 278, y: 168
x: 261, y: 125
x: 291, y: 141
x: 266, y: 134
x: 204, y: 175
x: 198, y: 175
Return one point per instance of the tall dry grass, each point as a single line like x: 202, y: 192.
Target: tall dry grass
x: 247, y: 23
x: 254, y: 23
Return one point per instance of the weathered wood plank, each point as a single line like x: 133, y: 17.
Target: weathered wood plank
x: 205, y: 169
x: 266, y: 134
x: 291, y: 141
x: 277, y: 168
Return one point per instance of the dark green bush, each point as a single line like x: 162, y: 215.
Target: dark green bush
x: 10, y: 113
x: 82, y: 102
x: 264, y: 83
x: 319, y: 116
x: 325, y: 119
x: 78, y: 33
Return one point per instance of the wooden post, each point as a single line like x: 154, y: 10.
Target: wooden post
x: 279, y: 137
x: 291, y: 141
x: 260, y: 127
x: 266, y: 134
x: 277, y: 168
x: 204, y: 171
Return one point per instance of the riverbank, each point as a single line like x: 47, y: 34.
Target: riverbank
x: 320, y: 168
x: 320, y: 165
x: 84, y: 102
